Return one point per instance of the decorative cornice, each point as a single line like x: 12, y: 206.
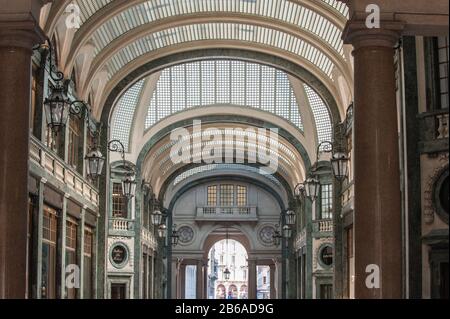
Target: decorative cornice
x: 24, y: 33
x: 357, y: 34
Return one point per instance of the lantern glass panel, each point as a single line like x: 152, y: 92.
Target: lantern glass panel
x: 287, y: 232
x: 162, y: 231
x: 290, y: 218
x: 157, y: 218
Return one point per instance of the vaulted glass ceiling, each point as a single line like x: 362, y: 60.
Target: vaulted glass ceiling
x: 223, y: 82
x: 90, y: 7
x: 282, y: 10
x: 215, y: 82
x: 123, y: 117
x: 220, y: 31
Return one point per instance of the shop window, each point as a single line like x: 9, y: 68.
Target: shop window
x: 49, y: 239
x: 71, y: 251
x: 326, y: 291
x: 326, y: 201
x: 436, y: 59
x: 88, y: 277
x: 30, y: 243
x: 119, y: 202
x: 118, y: 291
x: 443, y: 53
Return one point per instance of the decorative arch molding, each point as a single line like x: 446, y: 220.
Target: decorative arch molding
x: 201, y: 181
x: 208, y: 241
x: 218, y: 118
x: 219, y: 175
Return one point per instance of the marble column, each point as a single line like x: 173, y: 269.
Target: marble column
x: 377, y: 221
x: 205, y: 279
x: 17, y: 37
x: 181, y: 281
x: 199, y: 278
x: 273, y: 288
x: 252, y: 280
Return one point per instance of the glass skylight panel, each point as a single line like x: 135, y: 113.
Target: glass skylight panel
x: 267, y: 89
x: 89, y: 7
x: 193, y: 86
x: 163, y: 95
x: 339, y: 6
x: 237, y: 83
x: 223, y: 82
x: 178, y: 88
x: 208, y: 82
x: 124, y: 113
x: 253, y: 85
x: 321, y: 115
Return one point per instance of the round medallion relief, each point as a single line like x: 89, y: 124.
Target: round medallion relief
x: 186, y: 234
x: 119, y: 255
x: 266, y: 234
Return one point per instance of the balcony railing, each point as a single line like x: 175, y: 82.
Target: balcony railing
x: 323, y: 226
x: 121, y: 225
x: 242, y: 213
x: 54, y: 166
x: 148, y: 238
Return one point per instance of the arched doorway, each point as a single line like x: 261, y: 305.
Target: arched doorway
x: 228, y: 271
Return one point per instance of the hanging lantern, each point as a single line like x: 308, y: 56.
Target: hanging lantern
x: 157, y: 218
x: 94, y: 163
x: 290, y: 217
x: 287, y: 231
x: 162, y: 231
x: 312, y: 188
x: 339, y: 163
x: 129, y: 186
x: 175, y: 236
x: 226, y: 274
x: 57, y: 109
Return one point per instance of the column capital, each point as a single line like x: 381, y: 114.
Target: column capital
x: 357, y: 34
x: 24, y: 33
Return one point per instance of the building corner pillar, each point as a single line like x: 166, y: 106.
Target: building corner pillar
x: 252, y: 279
x: 377, y: 221
x: 16, y: 41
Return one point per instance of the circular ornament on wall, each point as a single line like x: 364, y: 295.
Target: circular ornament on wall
x: 325, y: 255
x: 266, y: 234
x: 119, y: 255
x: 186, y: 234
